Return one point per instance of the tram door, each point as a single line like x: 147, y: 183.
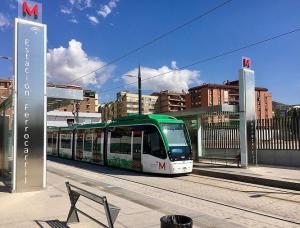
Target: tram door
x: 137, y: 140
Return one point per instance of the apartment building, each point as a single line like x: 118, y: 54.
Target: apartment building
x: 109, y: 111
x: 127, y: 104
x: 170, y: 101
x: 5, y: 89
x: 263, y: 103
x: 228, y: 93
x: 65, y: 113
x: 88, y: 105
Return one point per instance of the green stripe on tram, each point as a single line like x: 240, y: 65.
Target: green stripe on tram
x: 128, y: 120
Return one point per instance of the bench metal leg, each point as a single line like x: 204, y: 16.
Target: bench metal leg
x: 111, y: 211
x: 72, y: 216
x: 73, y: 196
x: 107, y: 213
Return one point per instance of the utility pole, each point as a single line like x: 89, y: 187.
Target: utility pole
x: 139, y: 88
x: 77, y: 112
x: 76, y: 108
x: 140, y: 91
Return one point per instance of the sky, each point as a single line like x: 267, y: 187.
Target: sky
x: 84, y: 35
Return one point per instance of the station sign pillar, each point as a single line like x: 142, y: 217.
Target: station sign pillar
x: 247, y: 115
x: 30, y: 99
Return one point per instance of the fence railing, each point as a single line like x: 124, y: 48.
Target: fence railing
x: 278, y: 133
x: 221, y: 136
x: 271, y: 134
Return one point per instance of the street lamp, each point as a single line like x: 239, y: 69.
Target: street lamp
x: 139, y: 88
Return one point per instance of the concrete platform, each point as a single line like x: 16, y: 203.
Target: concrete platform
x: 145, y: 198
x: 50, y: 207
x: 279, y: 177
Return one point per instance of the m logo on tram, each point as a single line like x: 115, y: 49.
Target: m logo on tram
x: 162, y: 165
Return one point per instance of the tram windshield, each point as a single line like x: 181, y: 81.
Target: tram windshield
x: 177, y: 137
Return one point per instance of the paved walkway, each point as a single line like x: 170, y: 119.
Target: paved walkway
x: 50, y: 207
x: 144, y: 198
x: 280, y: 177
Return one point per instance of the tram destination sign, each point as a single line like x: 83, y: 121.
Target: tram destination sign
x: 30, y: 98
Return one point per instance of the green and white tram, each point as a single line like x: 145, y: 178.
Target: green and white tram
x: 147, y: 143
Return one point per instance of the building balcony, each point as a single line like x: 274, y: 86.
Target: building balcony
x: 176, y: 99
x: 174, y: 105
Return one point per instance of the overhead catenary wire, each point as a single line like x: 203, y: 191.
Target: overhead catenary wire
x: 148, y: 43
x: 212, y: 57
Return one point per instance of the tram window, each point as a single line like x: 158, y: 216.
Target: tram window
x: 153, y: 143
x: 97, y: 145
x: 54, y: 144
x: 115, y: 141
x: 49, y: 145
x: 79, y: 144
x: 88, y: 146
x: 126, y: 141
x: 49, y: 140
x: 136, y: 141
x: 65, y: 141
x: 97, y: 141
x: 88, y: 142
x: 54, y: 140
x: 120, y: 141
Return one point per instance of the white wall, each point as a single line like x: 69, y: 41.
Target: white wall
x: 59, y: 119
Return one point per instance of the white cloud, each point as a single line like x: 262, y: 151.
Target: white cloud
x: 73, y: 20
x: 12, y: 6
x: 81, y: 4
x: 93, y: 19
x: 171, y: 79
x: 88, y: 3
x: 4, y: 21
x: 74, y: 5
x: 174, y: 65
x: 107, y: 9
x: 65, y: 10
x: 67, y: 64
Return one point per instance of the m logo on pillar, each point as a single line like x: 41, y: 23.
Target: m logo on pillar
x: 33, y: 11
x: 246, y: 62
x: 30, y: 11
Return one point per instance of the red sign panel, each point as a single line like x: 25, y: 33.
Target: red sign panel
x: 246, y: 62
x: 34, y: 11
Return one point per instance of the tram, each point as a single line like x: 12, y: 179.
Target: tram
x: 147, y: 143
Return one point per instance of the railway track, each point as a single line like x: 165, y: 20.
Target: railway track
x: 262, y: 193
x: 242, y: 209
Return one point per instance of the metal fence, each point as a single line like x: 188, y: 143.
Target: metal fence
x: 278, y: 133
x: 271, y: 134
x: 224, y: 135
